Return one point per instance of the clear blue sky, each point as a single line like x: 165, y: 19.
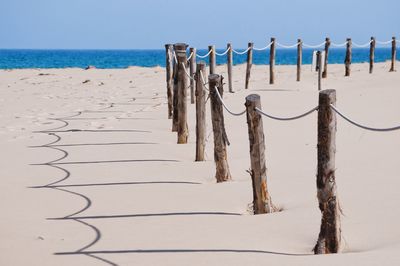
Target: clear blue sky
x: 134, y: 24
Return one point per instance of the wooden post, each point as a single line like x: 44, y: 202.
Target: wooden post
x: 319, y: 68
x: 347, y: 60
x: 169, y: 71
x: 182, y: 85
x: 393, y: 54
x: 249, y: 64
x: 175, y: 109
x: 261, y: 199
x: 372, y: 55
x: 200, y: 111
x: 220, y: 138
x: 329, y: 239
x: 212, y: 58
x: 299, y: 58
x: 327, y: 44
x: 272, y: 62
x: 230, y: 65
x: 192, y: 64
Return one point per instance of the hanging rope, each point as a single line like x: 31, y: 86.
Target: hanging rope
x: 286, y: 118
x: 361, y: 45
x: 362, y: 126
x: 287, y: 46
x: 204, y: 56
x: 338, y: 44
x: 313, y: 46
x: 226, y: 107
x: 224, y: 53
x: 264, y: 48
x: 190, y: 56
x: 239, y: 53
x: 383, y: 43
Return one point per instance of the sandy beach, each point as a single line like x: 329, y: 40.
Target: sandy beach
x: 91, y: 173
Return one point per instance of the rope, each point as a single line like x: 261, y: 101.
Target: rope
x: 190, y: 56
x: 204, y: 56
x: 176, y: 59
x: 362, y: 45
x: 387, y: 42
x: 224, y: 53
x: 245, y: 51
x: 313, y: 46
x: 204, y: 82
x: 338, y: 44
x: 361, y: 126
x: 287, y: 118
x: 264, y: 48
x: 287, y: 46
x: 187, y: 74
x: 226, y: 108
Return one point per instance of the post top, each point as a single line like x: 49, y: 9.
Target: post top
x: 253, y: 98
x: 180, y: 46
x: 272, y: 39
x: 213, y: 77
x: 168, y: 45
x: 328, y: 92
x: 201, y: 63
x: 250, y: 44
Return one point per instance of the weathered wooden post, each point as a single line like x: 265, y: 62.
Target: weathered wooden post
x: 220, y: 138
x: 230, y: 65
x: 329, y: 239
x: 169, y: 71
x: 212, y: 59
x: 319, y: 68
x: 261, y: 199
x: 200, y: 111
x: 327, y: 44
x: 249, y: 64
x: 175, y: 109
x: 393, y: 54
x: 372, y: 55
x: 299, y: 58
x: 182, y: 85
x: 347, y: 60
x: 272, y: 62
x: 192, y: 72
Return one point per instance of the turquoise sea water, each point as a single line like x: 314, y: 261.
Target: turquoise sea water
x: 10, y: 59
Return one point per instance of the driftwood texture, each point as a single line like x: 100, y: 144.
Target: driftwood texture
x: 169, y: 77
x: 220, y: 138
x: 393, y: 55
x: 212, y: 58
x: 327, y: 44
x: 372, y: 55
x: 192, y: 70
x: 299, y: 59
x: 261, y: 199
x: 230, y: 65
x: 347, y: 60
x: 249, y: 64
x: 272, y: 62
x: 182, y: 85
x: 200, y: 112
x: 329, y: 239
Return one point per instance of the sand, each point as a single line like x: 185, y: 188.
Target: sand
x: 111, y: 186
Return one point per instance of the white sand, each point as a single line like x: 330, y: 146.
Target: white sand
x: 146, y: 202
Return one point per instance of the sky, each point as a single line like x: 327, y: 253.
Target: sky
x: 149, y: 24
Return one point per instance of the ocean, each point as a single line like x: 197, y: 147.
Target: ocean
x: 16, y: 59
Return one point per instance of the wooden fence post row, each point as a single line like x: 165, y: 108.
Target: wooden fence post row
x: 347, y: 60
x: 299, y: 58
x: 329, y: 239
x: 192, y: 69
x: 327, y: 44
x: 272, y: 62
x: 220, y: 138
x: 249, y: 64
x: 393, y: 54
x: 212, y: 58
x: 372, y: 55
x: 181, y: 83
x: 230, y: 64
x: 261, y: 199
x: 200, y: 111
x: 169, y: 71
